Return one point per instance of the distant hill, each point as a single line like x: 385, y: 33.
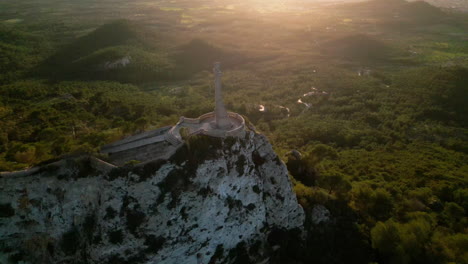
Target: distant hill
x: 458, y: 5
x: 120, y: 51
x: 116, y: 33
x: 382, y: 3
x: 421, y: 10
x: 123, y: 51
x: 401, y: 10
x: 359, y: 47
x: 200, y: 55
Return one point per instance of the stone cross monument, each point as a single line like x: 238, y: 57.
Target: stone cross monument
x: 218, y: 123
x: 221, y: 116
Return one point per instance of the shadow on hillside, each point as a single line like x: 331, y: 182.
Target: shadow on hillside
x: 126, y: 52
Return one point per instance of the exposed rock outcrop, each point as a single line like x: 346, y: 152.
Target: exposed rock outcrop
x: 214, y: 201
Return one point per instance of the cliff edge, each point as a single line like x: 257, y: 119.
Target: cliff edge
x: 214, y: 201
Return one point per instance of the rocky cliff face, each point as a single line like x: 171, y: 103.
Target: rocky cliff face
x: 214, y: 201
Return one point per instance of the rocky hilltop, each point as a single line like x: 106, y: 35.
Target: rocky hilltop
x: 214, y: 201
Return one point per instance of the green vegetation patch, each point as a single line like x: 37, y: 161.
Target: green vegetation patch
x: 363, y: 48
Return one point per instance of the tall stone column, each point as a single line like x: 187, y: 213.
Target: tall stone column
x: 221, y: 116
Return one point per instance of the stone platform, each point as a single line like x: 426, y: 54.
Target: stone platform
x: 206, y: 125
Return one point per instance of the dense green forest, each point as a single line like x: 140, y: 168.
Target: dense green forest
x: 381, y: 125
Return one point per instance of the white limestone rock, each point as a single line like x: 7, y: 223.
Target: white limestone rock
x: 320, y: 214
x: 119, y: 63
x: 200, y: 206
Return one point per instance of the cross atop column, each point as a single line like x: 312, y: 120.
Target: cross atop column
x: 221, y: 116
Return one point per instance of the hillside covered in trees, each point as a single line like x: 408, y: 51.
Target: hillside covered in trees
x: 371, y: 96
